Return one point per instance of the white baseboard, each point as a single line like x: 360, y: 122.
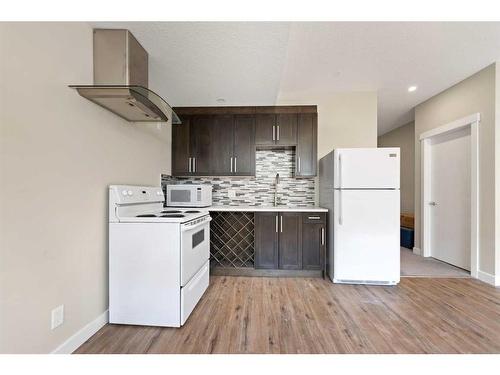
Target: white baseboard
x: 488, y: 278
x: 417, y: 251
x: 75, y: 341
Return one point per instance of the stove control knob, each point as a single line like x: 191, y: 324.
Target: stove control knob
x: 124, y: 192
x: 130, y: 192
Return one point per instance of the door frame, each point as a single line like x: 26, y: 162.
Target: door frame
x: 471, y: 121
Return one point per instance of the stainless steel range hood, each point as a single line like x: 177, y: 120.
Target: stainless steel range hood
x: 121, y: 79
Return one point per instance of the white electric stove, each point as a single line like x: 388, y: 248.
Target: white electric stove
x: 158, y: 258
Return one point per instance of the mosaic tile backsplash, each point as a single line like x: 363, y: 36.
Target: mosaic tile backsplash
x: 259, y: 190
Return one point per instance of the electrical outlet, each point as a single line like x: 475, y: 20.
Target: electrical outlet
x: 231, y: 193
x: 57, y: 317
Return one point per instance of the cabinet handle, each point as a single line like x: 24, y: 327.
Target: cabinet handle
x: 194, y: 164
x: 277, y: 132
x: 281, y: 223
x: 235, y: 164
x: 314, y: 217
x: 276, y: 223
x: 274, y: 133
x: 189, y: 165
x: 322, y: 236
x: 299, y: 163
x: 231, y: 164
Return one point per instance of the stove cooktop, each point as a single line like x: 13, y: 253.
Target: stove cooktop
x: 179, y: 215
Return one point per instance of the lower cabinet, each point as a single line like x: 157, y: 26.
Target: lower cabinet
x: 313, y: 241
x: 289, y: 240
x: 290, y: 249
x: 266, y: 240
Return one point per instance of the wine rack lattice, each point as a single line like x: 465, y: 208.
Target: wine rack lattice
x: 232, y: 239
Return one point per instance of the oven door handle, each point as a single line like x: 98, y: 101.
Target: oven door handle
x: 185, y: 228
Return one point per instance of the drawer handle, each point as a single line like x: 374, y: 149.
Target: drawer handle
x: 314, y: 217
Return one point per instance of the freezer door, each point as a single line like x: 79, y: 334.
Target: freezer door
x: 366, y: 168
x: 366, y: 236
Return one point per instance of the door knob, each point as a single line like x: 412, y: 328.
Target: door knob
x: 432, y: 204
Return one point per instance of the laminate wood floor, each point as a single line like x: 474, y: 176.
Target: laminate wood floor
x: 303, y: 315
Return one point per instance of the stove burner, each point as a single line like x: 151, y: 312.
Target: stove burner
x: 172, y: 215
x: 191, y: 212
x: 146, y: 215
x: 171, y: 212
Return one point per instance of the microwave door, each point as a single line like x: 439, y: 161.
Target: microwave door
x: 180, y: 197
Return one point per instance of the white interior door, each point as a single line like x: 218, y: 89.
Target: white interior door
x: 450, y: 206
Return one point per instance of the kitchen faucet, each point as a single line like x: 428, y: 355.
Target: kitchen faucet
x: 277, y: 180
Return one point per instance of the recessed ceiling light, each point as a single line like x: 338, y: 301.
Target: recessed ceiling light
x: 412, y: 88
x: 221, y: 100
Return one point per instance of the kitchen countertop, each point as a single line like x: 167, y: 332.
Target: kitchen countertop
x: 266, y: 209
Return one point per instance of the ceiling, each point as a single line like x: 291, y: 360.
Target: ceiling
x: 254, y: 63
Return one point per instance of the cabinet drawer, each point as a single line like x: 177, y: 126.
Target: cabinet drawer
x: 192, y: 292
x: 313, y: 217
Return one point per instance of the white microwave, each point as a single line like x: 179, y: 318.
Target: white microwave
x: 189, y: 195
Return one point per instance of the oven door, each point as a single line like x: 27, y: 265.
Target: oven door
x: 195, y: 247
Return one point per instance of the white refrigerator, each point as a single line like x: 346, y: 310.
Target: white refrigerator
x: 360, y: 187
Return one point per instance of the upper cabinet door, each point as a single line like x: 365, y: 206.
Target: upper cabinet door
x: 181, y: 158
x: 244, y: 145
x: 265, y: 128
x: 286, y: 129
x: 307, y: 140
x: 221, y: 152
x: 200, y: 144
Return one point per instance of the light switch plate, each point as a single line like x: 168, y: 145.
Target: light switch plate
x: 57, y: 317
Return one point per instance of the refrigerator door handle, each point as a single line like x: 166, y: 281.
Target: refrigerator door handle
x: 340, y: 208
x: 340, y: 171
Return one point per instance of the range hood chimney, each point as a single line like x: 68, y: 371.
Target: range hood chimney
x: 121, y: 79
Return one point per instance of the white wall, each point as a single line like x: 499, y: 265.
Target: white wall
x: 472, y: 95
x: 404, y: 138
x: 59, y: 152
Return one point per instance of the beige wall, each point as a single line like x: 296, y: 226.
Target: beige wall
x: 404, y: 138
x: 347, y: 119
x: 344, y: 119
x: 474, y: 94
x: 58, y: 154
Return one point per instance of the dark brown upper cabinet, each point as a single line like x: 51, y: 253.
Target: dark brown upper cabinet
x: 200, y: 136
x: 307, y: 140
x: 220, y: 141
x: 243, y: 163
x: 214, y: 145
x: 276, y: 129
x: 221, y: 145
x: 265, y: 129
x: 286, y: 129
x: 181, y: 157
